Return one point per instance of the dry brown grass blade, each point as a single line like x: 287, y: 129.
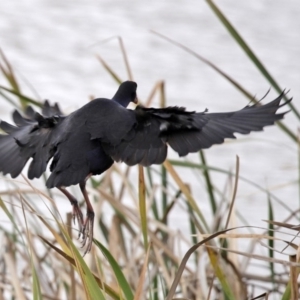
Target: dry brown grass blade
x: 294, y: 246
x: 187, y: 193
x: 109, y: 69
x: 122, y: 189
x: 125, y: 57
x: 245, y: 236
x: 72, y: 272
x: 101, y: 284
x: 237, y: 169
x: 185, y: 260
x: 289, y: 226
x: 258, y: 257
x: 285, y: 225
x: 132, y: 215
x: 260, y: 297
x: 294, y: 273
x: 233, y: 257
x: 139, y: 290
x: 10, y: 262
x: 57, y: 236
x: 143, y: 206
x: 116, y: 241
x: 165, y: 271
x: 157, y: 88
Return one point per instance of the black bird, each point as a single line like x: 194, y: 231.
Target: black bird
x: 90, y: 139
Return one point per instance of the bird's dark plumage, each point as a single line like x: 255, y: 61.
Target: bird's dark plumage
x: 89, y: 140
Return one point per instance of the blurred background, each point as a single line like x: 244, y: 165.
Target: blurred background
x: 54, y: 49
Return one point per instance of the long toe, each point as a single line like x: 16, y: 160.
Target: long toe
x: 88, y: 232
x: 85, y: 232
x: 77, y: 215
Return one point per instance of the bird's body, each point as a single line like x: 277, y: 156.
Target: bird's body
x: 89, y: 140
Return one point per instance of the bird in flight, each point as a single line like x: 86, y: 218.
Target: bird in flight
x: 89, y: 140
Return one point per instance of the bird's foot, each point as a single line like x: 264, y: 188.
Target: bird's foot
x: 88, y: 232
x: 77, y: 215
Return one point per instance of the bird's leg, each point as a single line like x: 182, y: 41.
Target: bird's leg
x: 76, y: 209
x: 88, y: 224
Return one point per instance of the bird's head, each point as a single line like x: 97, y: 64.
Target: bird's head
x: 126, y: 93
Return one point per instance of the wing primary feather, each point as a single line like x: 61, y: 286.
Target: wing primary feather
x: 187, y: 131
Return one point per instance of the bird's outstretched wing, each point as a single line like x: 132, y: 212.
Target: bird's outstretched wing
x: 32, y: 136
x: 185, y: 132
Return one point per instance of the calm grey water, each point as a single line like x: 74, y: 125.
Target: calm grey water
x: 52, y: 46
